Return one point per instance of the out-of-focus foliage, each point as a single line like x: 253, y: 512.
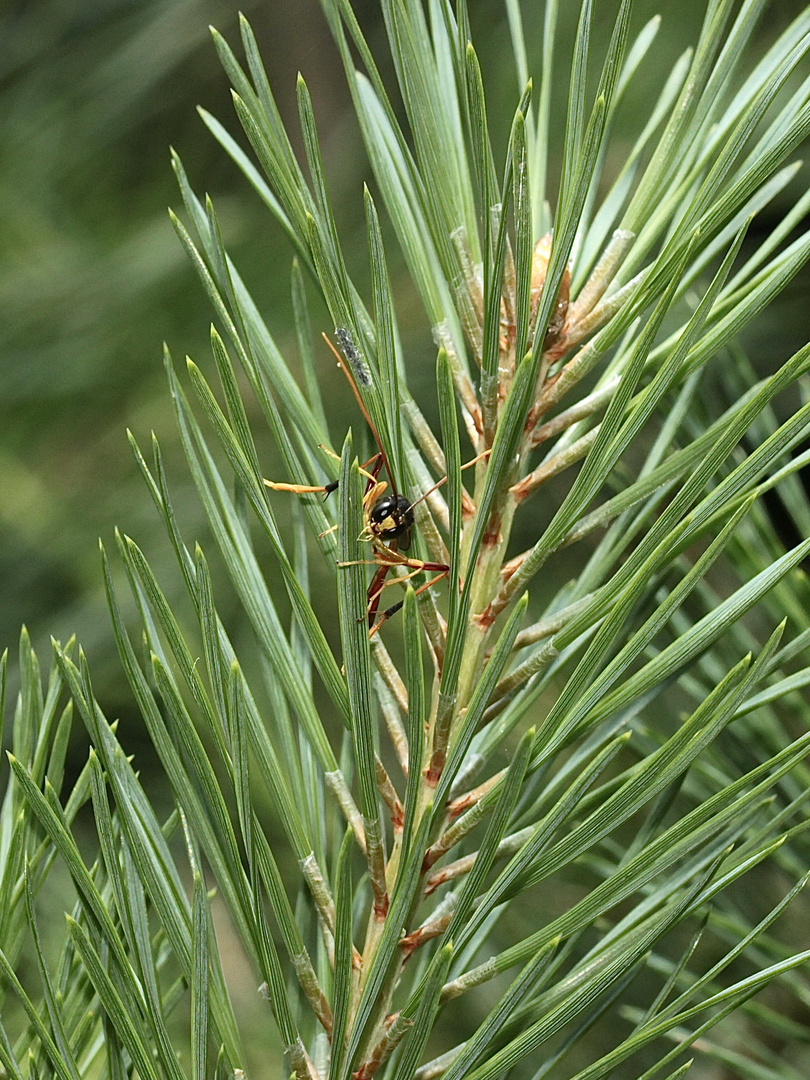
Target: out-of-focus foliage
x: 92, y: 278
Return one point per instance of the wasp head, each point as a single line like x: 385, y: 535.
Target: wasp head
x: 391, y: 518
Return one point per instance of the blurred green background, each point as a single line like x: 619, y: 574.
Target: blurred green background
x: 93, y: 280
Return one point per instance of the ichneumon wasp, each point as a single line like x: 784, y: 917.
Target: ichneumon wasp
x: 388, y: 517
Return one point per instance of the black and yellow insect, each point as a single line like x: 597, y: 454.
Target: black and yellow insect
x: 388, y: 517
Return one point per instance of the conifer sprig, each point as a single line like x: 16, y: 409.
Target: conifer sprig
x: 566, y: 778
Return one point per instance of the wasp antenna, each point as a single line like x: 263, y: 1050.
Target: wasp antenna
x: 354, y: 361
x: 443, y: 481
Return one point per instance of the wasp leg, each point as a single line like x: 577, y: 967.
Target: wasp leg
x: 302, y: 489
x: 375, y: 589
x: 307, y: 489
x: 415, y: 569
x: 378, y: 582
x: 386, y: 615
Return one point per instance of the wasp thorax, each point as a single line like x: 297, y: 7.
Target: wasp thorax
x: 391, y: 517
